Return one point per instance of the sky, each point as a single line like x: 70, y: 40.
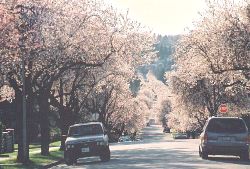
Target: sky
x: 166, y: 17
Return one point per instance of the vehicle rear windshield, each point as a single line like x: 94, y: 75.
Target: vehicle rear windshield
x: 226, y: 126
x: 85, y: 130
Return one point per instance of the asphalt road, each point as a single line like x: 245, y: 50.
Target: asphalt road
x: 158, y: 151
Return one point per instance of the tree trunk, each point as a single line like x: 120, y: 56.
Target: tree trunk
x: 64, y: 130
x: 19, y: 122
x: 19, y: 125
x: 44, y: 122
x: 19, y: 130
x: 62, y: 117
x: 45, y: 136
x: 65, y: 121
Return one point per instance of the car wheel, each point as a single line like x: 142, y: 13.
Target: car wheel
x: 244, y: 156
x: 199, y: 152
x: 75, y: 161
x: 204, y: 155
x: 68, y: 160
x: 106, y: 155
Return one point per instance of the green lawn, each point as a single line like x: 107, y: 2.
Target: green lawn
x: 36, y: 159
x: 55, y: 144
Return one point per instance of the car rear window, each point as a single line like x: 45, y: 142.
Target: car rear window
x: 85, y: 130
x: 226, y: 126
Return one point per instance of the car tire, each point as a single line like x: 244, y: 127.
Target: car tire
x: 199, y: 152
x: 244, y: 156
x: 204, y: 155
x: 106, y: 155
x: 68, y: 159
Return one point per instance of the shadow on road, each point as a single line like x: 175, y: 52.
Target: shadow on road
x: 233, y: 160
x: 154, y: 133
x: 158, y: 159
x: 142, y: 158
x: 155, y: 158
x: 152, y: 158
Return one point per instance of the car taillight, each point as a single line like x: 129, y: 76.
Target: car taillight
x: 205, y: 138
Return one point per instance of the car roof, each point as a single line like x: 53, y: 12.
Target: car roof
x: 89, y: 123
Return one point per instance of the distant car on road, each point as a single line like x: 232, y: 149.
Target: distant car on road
x: 179, y: 135
x: 166, y: 129
x: 224, y: 136
x: 125, y: 139
x: 85, y: 140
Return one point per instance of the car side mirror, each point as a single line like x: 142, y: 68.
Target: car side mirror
x: 105, y: 132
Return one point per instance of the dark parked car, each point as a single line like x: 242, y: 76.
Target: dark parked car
x: 224, y: 136
x: 179, y: 135
x: 125, y: 139
x: 166, y: 129
x: 85, y: 140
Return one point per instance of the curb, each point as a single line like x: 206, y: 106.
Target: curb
x: 53, y: 164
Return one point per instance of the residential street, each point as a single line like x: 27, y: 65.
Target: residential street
x: 158, y: 150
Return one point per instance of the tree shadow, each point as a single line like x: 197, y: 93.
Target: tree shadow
x: 147, y: 158
x: 141, y: 157
x: 226, y: 159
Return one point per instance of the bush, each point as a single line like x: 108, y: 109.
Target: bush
x: 2, y: 128
x: 55, y: 134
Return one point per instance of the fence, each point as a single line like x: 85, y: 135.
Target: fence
x: 7, y: 141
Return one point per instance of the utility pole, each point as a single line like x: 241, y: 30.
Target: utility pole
x: 22, y: 30
x: 24, y: 120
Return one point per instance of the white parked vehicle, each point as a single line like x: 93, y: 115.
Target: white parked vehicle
x: 85, y: 140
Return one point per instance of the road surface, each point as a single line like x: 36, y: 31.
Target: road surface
x: 158, y: 151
